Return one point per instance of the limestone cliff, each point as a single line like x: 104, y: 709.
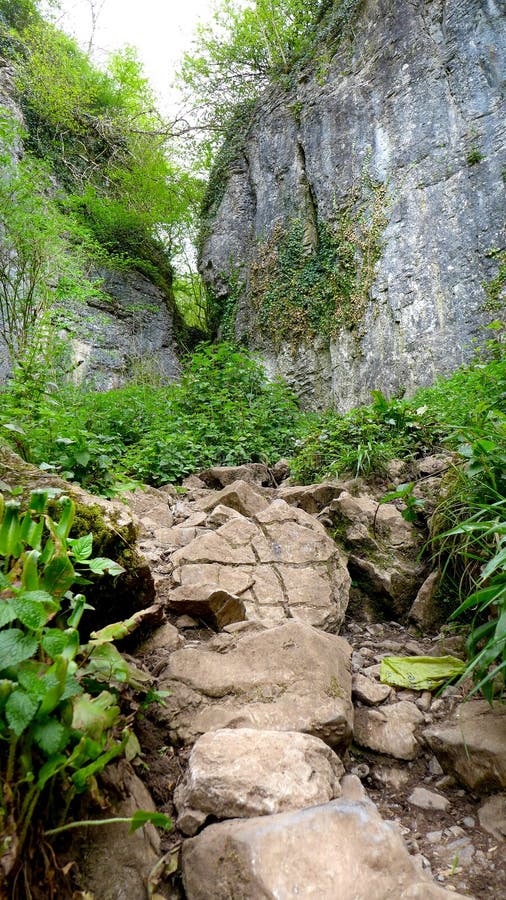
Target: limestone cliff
x: 375, y: 180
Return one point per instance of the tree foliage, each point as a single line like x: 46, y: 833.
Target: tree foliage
x: 243, y: 48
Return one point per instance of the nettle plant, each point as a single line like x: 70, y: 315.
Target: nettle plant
x: 60, y: 720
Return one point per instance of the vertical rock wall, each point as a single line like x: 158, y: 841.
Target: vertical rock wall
x: 412, y: 102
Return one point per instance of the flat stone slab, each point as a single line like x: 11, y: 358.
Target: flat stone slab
x: 472, y: 745
x: 291, y: 677
x: 389, y: 730
x: 242, y: 772
x: 281, y: 562
x: 341, y: 849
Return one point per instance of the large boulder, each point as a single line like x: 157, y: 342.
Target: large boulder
x: 280, y: 562
x: 114, y: 530
x: 243, y: 772
x: 287, y: 678
x: 383, y: 551
x: 472, y: 745
x: 341, y: 849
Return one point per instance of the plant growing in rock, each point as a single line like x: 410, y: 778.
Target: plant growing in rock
x: 60, y: 721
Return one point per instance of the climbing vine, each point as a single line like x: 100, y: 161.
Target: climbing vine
x: 297, y: 293
x: 495, y: 287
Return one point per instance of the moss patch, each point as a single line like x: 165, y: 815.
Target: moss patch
x: 297, y: 293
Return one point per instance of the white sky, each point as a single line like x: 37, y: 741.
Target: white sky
x: 160, y: 29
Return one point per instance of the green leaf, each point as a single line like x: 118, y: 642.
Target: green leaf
x: 82, y: 457
x: 105, y: 660
x: 94, y: 715
x: 132, y: 747
x: 101, y: 565
x: 7, y: 612
x: 58, y: 575
x: 142, y: 816
x: 49, y: 769
x: 34, y: 608
x: 15, y: 646
x: 81, y: 777
x: 61, y: 643
x: 19, y: 711
x: 81, y: 547
x: 51, y: 736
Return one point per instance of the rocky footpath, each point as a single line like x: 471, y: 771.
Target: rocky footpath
x: 289, y: 768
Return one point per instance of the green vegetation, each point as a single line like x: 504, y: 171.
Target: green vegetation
x: 223, y: 411
x: 61, y: 722
x: 298, y: 292
x: 121, y: 201
x: 365, y: 439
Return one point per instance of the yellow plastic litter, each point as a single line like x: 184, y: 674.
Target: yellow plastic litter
x: 419, y: 673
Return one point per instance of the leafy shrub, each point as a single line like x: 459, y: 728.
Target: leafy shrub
x: 224, y: 411
x: 472, y: 553
x: 364, y: 439
x: 60, y: 721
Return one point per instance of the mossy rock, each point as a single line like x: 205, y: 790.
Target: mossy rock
x: 114, y: 536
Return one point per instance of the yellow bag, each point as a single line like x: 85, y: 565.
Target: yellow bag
x: 419, y: 673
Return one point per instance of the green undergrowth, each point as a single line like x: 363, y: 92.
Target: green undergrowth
x: 223, y: 412
x: 363, y: 441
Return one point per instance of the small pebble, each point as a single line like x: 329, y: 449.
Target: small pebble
x: 434, y: 837
x: 469, y: 822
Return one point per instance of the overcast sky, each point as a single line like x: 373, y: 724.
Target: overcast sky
x: 160, y: 29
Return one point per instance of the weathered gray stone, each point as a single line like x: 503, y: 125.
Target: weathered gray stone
x: 312, y: 498
x: 239, y: 495
x: 412, y: 96
x: 425, y: 799
x: 282, y: 564
x: 244, y: 772
x: 389, y: 730
x: 114, y: 864
x: 368, y: 691
x: 166, y: 637
x: 208, y: 603
x: 384, y: 550
x: 425, y: 611
x: 340, y: 849
x: 492, y: 816
x: 220, y: 476
x: 287, y: 678
x: 472, y: 745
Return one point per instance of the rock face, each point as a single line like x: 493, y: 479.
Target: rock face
x: 285, y: 678
x: 242, y: 772
x: 411, y: 100
x: 131, y: 329
x: 340, y: 849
